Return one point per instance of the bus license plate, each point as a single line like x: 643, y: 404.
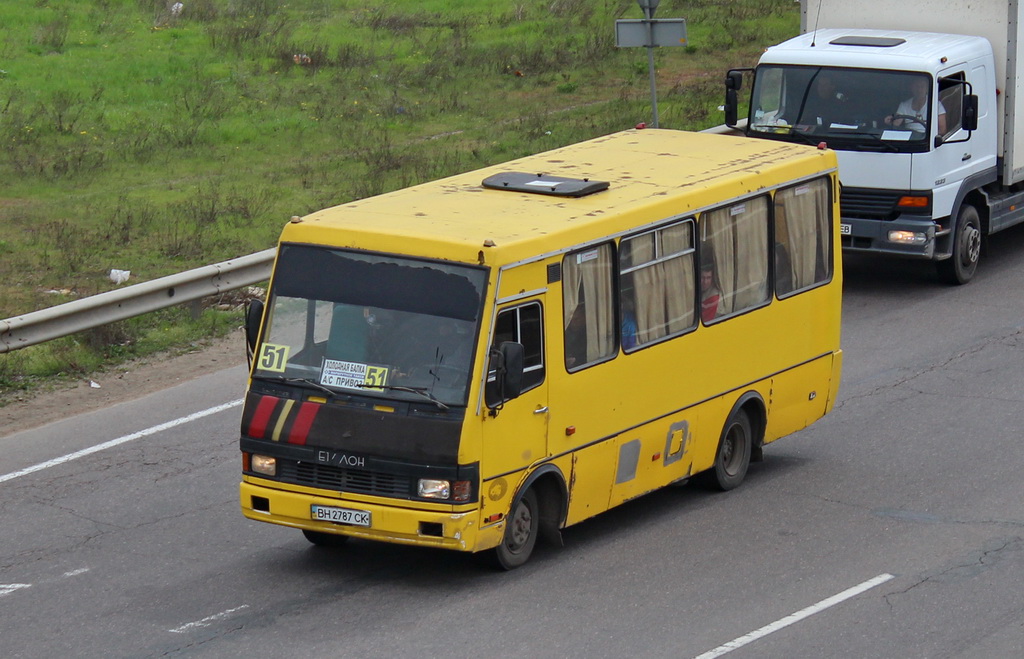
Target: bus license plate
x: 341, y: 515
x: 845, y: 229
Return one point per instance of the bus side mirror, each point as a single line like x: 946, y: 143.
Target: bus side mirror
x: 969, y: 114
x: 512, y: 357
x: 507, y: 364
x: 253, y: 316
x: 733, y: 83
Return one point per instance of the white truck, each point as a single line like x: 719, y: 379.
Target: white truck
x: 918, y: 99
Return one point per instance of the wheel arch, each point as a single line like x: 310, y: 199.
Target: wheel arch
x: 972, y: 192
x: 753, y: 405
x: 548, y: 482
x: 979, y: 201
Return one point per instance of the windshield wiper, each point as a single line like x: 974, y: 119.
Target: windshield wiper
x: 804, y: 137
x: 303, y: 381
x: 420, y: 391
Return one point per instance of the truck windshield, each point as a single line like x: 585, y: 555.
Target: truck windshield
x: 850, y: 109
x: 360, y: 322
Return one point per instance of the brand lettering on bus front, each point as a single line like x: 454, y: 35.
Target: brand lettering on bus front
x: 330, y: 457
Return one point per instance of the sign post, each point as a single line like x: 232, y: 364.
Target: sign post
x: 650, y: 33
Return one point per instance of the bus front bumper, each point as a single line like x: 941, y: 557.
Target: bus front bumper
x: 460, y: 531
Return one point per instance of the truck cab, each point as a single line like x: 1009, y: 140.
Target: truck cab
x: 913, y: 119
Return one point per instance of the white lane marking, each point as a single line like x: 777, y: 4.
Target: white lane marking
x: 205, y: 622
x: 120, y: 440
x: 796, y: 617
x: 8, y: 588
x: 75, y: 573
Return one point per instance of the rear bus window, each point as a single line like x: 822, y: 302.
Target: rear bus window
x: 803, y: 236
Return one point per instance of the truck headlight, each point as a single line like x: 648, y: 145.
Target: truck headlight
x: 908, y: 237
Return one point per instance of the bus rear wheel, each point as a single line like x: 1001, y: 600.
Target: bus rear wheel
x: 520, y: 533
x: 321, y: 539
x: 733, y: 456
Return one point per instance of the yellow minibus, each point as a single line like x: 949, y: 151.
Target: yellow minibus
x: 481, y: 361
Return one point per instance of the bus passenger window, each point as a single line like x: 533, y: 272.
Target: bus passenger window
x: 588, y: 312
x: 522, y: 324
x: 656, y: 284
x: 803, y: 236
x: 734, y: 239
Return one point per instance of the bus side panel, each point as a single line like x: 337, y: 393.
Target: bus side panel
x: 593, y: 472
x: 654, y: 455
x: 799, y: 398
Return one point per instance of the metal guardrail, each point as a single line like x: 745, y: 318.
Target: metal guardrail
x: 70, y: 317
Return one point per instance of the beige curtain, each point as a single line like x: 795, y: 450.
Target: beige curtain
x: 718, y: 246
x: 678, y: 275
x: 649, y: 296
x: 659, y: 265
x: 736, y: 237
x: 802, y: 227
x: 587, y: 281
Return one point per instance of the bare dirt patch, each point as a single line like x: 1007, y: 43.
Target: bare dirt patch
x: 125, y: 382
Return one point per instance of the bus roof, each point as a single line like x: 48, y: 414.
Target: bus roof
x: 652, y: 175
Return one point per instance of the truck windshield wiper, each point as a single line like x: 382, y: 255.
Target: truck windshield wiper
x: 419, y: 391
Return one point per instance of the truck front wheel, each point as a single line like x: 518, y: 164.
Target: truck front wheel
x: 961, y: 266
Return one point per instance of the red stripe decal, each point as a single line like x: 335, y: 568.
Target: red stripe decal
x: 261, y: 417
x: 303, y: 420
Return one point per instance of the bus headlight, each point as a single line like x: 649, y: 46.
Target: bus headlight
x: 436, y: 488
x: 263, y: 464
x: 907, y: 237
x: 433, y: 488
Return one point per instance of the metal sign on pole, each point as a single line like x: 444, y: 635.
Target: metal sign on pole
x: 650, y: 33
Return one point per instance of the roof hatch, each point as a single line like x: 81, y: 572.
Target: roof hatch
x: 557, y: 186
x: 877, y: 42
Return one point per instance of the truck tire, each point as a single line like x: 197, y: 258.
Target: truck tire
x: 961, y: 266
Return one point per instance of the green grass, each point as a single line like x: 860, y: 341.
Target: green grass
x: 138, y: 140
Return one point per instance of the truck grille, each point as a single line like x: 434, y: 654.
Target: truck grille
x: 358, y: 481
x: 869, y: 204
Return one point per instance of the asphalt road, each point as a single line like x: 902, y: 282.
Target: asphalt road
x: 894, y: 527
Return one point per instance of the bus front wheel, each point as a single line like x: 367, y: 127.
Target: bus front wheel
x: 733, y: 456
x: 520, y: 533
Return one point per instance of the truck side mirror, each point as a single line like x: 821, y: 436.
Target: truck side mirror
x: 253, y: 316
x: 969, y: 114
x: 733, y: 83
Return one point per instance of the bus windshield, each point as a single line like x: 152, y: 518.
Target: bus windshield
x: 851, y: 109
x: 350, y: 321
